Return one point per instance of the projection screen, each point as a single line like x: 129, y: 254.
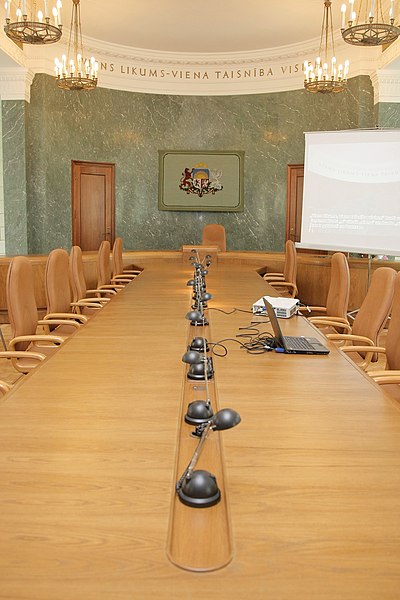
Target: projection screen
x: 351, y: 196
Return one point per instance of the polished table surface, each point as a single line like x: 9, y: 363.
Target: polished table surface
x: 87, y: 454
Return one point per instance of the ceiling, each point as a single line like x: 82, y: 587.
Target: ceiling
x: 204, y: 26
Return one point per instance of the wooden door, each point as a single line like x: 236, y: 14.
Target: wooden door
x: 294, y: 202
x: 93, y: 204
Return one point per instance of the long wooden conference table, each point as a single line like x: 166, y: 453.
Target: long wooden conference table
x: 88, y: 459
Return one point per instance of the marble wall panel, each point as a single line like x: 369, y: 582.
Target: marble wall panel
x: 128, y: 129
x: 14, y: 176
x: 388, y: 115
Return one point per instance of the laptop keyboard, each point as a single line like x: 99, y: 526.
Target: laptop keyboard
x: 298, y: 343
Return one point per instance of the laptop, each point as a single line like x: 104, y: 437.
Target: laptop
x: 293, y: 345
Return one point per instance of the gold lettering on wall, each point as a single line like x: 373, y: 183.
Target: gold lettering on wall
x: 251, y: 73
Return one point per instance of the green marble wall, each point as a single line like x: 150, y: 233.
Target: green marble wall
x: 128, y: 129
x: 15, y: 176
x: 388, y: 115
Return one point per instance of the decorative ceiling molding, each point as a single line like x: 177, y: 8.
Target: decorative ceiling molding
x: 258, y: 72
x: 386, y: 85
x: 15, y: 84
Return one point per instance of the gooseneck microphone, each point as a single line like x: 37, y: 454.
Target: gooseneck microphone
x: 199, y: 489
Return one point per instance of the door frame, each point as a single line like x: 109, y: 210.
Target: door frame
x: 76, y: 166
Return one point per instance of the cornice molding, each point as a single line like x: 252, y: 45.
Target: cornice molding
x: 386, y: 84
x: 15, y: 83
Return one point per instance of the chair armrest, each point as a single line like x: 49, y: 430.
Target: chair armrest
x: 83, y: 304
x: 97, y: 299
x: 51, y: 339
x: 285, y: 284
x: 349, y: 337
x: 15, y: 355
x: 331, y: 322
x: 110, y: 286
x: 21, y: 354
x: 321, y: 309
x: 385, y: 377
x: 110, y: 292
x: 369, y: 351
x: 128, y: 275
x: 4, y: 387
x: 273, y: 277
x: 73, y: 316
x: 120, y: 279
x: 69, y: 322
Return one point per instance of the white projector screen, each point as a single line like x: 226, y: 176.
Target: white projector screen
x: 351, y: 196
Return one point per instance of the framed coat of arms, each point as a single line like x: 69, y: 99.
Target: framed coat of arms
x: 201, y: 181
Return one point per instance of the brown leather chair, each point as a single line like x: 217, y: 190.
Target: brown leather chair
x: 285, y: 283
x: 118, y: 270
x: 104, y: 280
x: 214, y: 235
x: 81, y: 302
x: 391, y: 373
x: 58, y: 291
x: 338, y: 294
x: 30, y: 347
x: 370, y: 319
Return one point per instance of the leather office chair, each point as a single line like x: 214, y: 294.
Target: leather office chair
x: 30, y: 348
x: 391, y: 374
x: 58, y: 291
x: 104, y: 280
x: 285, y: 283
x: 338, y: 295
x: 81, y: 302
x: 214, y: 235
x: 118, y: 269
x: 370, y: 319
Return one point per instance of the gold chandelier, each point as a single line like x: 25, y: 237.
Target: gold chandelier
x: 35, y: 27
x: 73, y: 71
x: 369, y: 26
x: 325, y: 75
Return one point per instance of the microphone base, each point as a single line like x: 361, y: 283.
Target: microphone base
x: 200, y: 322
x: 200, y: 491
x: 198, y: 412
x: 196, y: 372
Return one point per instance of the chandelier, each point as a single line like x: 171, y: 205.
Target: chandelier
x: 368, y: 27
x: 326, y: 76
x: 36, y: 27
x: 74, y: 72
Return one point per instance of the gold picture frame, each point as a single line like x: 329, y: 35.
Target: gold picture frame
x: 206, y: 180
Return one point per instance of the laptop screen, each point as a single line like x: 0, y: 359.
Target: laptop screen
x: 274, y: 322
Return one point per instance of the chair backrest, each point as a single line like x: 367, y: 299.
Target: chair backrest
x: 57, y: 282
x: 393, y: 335
x: 214, y: 235
x: 117, y: 259
x: 77, y: 277
x: 103, y: 264
x: 290, y: 267
x: 21, y: 302
x: 339, y: 287
x: 377, y: 304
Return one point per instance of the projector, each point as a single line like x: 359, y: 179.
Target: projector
x: 284, y: 307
